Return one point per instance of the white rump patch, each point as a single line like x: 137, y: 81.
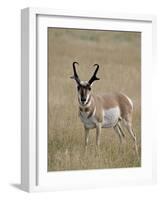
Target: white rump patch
x: 110, y: 117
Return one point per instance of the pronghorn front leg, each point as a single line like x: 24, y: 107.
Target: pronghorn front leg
x: 98, y: 134
x: 86, y: 136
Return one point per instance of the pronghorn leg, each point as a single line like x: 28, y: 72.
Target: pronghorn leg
x: 86, y: 137
x: 130, y: 130
x: 121, y: 130
x: 98, y: 134
x: 117, y: 130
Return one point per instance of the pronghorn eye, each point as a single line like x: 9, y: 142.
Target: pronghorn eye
x: 88, y: 87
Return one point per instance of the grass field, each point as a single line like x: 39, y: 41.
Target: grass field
x: 119, y: 57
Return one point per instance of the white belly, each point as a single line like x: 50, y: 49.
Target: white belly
x: 110, y: 117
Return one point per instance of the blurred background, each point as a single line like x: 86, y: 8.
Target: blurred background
x: 119, y: 57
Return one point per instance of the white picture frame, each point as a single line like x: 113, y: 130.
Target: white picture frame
x: 34, y: 175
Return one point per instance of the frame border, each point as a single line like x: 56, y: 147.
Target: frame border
x: 29, y: 168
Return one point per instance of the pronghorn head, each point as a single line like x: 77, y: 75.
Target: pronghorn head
x: 84, y: 87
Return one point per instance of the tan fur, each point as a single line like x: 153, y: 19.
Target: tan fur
x: 95, y: 112
x: 107, y: 101
x: 103, y: 111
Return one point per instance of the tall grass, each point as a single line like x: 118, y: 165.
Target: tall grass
x: 119, y: 57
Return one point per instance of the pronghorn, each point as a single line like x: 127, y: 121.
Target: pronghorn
x: 103, y: 111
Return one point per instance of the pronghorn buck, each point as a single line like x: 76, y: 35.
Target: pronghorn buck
x: 103, y: 111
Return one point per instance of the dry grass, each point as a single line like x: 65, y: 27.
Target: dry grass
x: 119, y: 57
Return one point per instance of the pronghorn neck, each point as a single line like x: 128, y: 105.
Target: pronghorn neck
x: 89, y: 109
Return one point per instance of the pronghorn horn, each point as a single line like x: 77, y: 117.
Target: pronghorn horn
x: 94, y: 78
x: 75, y: 76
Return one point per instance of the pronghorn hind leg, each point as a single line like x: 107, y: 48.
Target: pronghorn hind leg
x: 117, y: 130
x: 121, y: 130
x: 130, y: 130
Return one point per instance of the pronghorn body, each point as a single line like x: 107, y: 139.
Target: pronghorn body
x: 106, y: 109
x: 103, y: 111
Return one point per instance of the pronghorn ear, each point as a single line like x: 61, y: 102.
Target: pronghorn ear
x: 72, y: 77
